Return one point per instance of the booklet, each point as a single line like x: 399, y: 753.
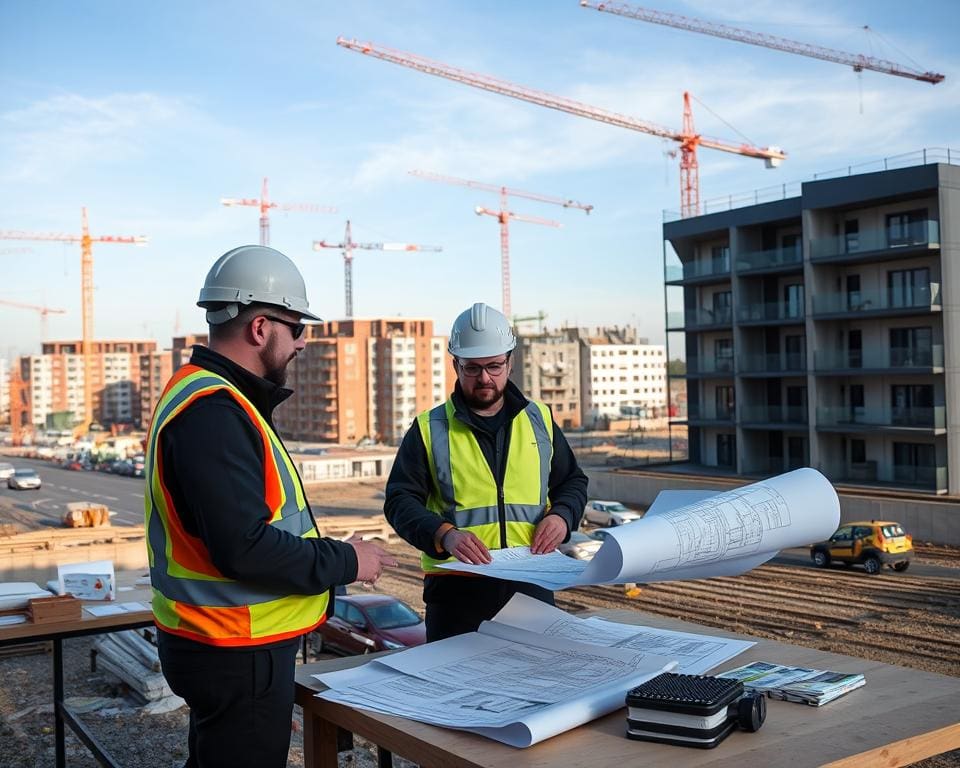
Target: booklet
x: 815, y: 687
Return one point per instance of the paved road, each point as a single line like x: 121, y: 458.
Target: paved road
x: 801, y: 557
x: 123, y: 495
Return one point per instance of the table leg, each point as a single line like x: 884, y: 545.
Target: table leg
x: 319, y: 742
x: 384, y: 758
x: 61, y: 757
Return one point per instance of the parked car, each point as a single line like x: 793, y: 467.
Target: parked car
x: 609, y: 513
x: 367, y: 623
x: 581, y: 546
x: 872, y: 544
x: 24, y: 479
x: 6, y: 470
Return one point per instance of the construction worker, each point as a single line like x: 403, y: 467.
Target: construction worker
x: 238, y: 570
x: 485, y: 470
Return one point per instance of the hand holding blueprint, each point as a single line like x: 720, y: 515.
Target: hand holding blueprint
x: 725, y: 534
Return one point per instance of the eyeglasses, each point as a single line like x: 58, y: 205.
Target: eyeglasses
x: 475, y: 369
x: 296, y: 329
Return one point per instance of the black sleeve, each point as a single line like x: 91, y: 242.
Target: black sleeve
x: 568, y: 484
x: 407, y: 490
x: 213, y: 466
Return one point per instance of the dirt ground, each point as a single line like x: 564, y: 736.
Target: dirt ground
x: 895, y: 618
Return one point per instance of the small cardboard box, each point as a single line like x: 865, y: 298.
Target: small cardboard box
x: 89, y: 586
x: 58, y: 608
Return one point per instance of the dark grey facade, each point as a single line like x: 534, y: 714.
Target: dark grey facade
x: 820, y: 330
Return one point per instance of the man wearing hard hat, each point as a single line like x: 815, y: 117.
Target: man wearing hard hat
x: 238, y: 571
x: 485, y: 470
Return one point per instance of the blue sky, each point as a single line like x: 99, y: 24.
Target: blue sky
x: 149, y: 113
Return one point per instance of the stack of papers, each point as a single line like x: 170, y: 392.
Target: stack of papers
x: 531, y: 673
x: 815, y: 687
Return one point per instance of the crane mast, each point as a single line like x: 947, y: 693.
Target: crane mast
x: 858, y: 61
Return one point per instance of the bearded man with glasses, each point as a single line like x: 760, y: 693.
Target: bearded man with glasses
x: 238, y: 569
x: 487, y: 469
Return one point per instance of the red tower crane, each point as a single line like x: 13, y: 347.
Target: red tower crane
x: 44, y: 312
x: 504, y: 215
x: 688, y: 139
x: 347, y: 247
x: 858, y: 61
x: 86, y: 241
x: 264, y: 203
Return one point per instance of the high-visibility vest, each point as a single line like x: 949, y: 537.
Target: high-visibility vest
x: 191, y: 597
x: 466, y: 493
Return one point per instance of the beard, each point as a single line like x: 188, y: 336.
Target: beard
x: 483, y: 397
x: 275, y: 363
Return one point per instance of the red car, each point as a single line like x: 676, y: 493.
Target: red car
x: 366, y: 623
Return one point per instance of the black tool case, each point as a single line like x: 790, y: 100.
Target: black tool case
x: 685, y: 710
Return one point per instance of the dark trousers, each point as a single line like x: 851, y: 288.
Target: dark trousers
x: 458, y: 604
x: 241, y: 701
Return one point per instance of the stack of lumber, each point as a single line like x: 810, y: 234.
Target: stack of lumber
x: 133, y: 660
x: 56, y: 538
x: 86, y: 514
x: 364, y: 526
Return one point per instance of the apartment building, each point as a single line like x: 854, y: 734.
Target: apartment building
x: 546, y: 367
x: 365, y: 378
x: 4, y: 392
x: 156, y: 368
x: 621, y: 375
x: 818, y: 330
x: 54, y: 382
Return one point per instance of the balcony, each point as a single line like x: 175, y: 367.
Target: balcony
x: 698, y: 272
x: 774, y: 415
x: 876, y: 245
x: 923, y: 299
x: 778, y: 363
x: 709, y: 366
x: 928, y: 478
x: 777, y: 312
x: 710, y: 414
x: 699, y: 319
x: 842, y: 418
x: 878, y: 360
x: 772, y: 260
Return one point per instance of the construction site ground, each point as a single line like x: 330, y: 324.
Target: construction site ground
x: 895, y: 618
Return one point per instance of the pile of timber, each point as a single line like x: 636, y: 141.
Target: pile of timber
x: 62, y: 538
x: 134, y: 661
x: 86, y: 514
x: 365, y: 526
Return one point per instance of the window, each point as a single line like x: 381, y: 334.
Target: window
x: 794, y: 348
x: 856, y: 402
x: 720, y: 258
x: 854, y: 300
x: 723, y: 354
x: 851, y: 235
x: 726, y: 450
x: 906, y: 228
x: 909, y: 287
x: 724, y: 399
x: 855, y: 349
x: 722, y: 302
x: 790, y: 245
x: 793, y: 300
x: 914, y: 463
x: 858, y: 451
x: 910, y: 347
x: 911, y: 405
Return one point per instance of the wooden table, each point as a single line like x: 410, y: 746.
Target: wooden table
x: 58, y: 631
x: 900, y: 716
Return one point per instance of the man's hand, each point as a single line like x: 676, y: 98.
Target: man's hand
x: 466, y: 547
x: 371, y: 559
x: 550, y: 532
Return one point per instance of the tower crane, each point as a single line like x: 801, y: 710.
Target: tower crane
x: 264, y: 203
x: 688, y: 139
x: 347, y: 247
x: 44, y: 312
x: 858, y: 61
x: 86, y: 241
x: 504, y: 215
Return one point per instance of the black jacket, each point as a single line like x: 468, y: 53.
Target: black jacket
x: 410, y: 481
x: 213, y: 467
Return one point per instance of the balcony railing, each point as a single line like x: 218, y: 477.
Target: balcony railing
x: 710, y: 365
x: 697, y: 269
x: 710, y: 413
x: 698, y: 318
x: 861, y: 301
x: 895, y: 357
x: 773, y: 414
x: 774, y: 257
x: 923, y: 233
x: 776, y: 310
x: 933, y: 478
x: 774, y: 363
x: 842, y: 416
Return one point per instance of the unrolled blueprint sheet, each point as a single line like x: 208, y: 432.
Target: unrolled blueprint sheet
x: 505, y: 682
x: 696, y: 654
x: 725, y: 534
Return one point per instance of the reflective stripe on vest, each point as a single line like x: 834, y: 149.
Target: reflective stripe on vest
x: 190, y: 596
x: 465, y: 490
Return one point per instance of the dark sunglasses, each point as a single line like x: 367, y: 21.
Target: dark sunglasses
x: 296, y: 329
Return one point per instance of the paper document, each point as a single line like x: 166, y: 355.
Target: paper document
x: 114, y: 609
x: 725, y: 534
x: 531, y: 673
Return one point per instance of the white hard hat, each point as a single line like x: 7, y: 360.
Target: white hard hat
x: 252, y: 274
x: 481, y: 331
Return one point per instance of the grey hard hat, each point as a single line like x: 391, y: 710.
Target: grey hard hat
x: 252, y: 274
x: 481, y: 331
